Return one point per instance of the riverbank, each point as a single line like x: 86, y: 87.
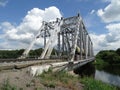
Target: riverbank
x: 20, y: 80
x: 92, y: 84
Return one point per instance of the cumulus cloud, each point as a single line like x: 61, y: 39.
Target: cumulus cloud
x: 107, y: 41
x: 3, y: 2
x: 111, y: 13
x: 99, y: 42
x: 114, y: 32
x: 23, y: 34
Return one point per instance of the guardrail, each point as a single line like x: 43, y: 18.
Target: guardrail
x: 23, y: 64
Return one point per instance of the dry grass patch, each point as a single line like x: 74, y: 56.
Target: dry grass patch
x: 62, y: 78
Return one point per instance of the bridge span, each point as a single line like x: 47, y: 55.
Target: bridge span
x: 69, y: 39
x: 68, y: 36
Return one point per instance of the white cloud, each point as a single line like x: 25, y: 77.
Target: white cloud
x: 21, y: 35
x: 93, y: 11
x: 114, y: 32
x: 111, y: 40
x: 3, y: 2
x: 110, y: 13
x: 99, y: 42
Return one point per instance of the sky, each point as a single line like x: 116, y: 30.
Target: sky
x: 20, y: 20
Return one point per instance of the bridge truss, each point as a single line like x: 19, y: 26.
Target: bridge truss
x: 73, y: 40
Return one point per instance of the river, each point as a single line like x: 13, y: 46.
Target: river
x: 107, y: 74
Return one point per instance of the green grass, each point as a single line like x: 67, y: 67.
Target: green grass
x: 6, y: 86
x: 64, y: 79
x: 92, y: 84
x: 100, y: 62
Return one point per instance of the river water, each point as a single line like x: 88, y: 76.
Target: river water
x: 107, y: 74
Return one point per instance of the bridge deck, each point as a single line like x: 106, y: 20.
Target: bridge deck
x: 55, y: 63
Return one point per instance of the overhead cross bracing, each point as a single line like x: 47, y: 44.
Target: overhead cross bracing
x: 73, y: 40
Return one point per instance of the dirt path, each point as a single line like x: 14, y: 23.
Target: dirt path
x: 19, y: 78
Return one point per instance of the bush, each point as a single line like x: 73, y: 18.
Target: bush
x: 108, y: 56
x: 118, y: 51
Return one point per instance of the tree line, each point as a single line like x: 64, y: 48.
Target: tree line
x: 17, y: 53
x: 5, y: 54
x: 109, y: 56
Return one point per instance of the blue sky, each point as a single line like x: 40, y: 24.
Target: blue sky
x: 101, y: 17
x: 15, y: 10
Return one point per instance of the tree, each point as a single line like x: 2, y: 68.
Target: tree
x: 109, y: 56
x: 112, y: 58
x: 118, y: 51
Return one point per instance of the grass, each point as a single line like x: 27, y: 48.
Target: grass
x: 62, y: 78
x: 6, y: 86
x: 92, y: 84
x: 39, y: 89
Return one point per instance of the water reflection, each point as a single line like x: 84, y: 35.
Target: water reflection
x: 112, y: 69
x: 86, y: 70
x: 107, y: 77
x: 107, y: 74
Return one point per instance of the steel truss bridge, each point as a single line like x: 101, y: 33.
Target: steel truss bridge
x: 70, y: 38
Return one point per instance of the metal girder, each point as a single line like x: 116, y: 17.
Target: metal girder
x: 73, y: 39
x: 51, y: 42
x: 43, y: 32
